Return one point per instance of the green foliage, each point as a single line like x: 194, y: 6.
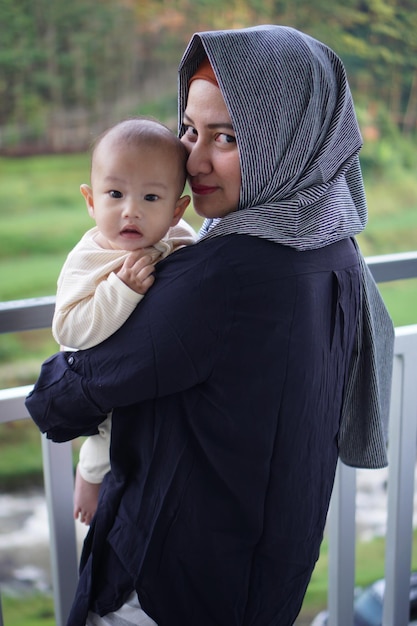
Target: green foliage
x: 52, y: 53
x: 67, y: 69
x: 401, y: 300
x: 164, y: 109
x: 386, y: 151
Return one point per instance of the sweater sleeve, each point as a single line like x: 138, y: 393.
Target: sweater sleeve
x: 86, y: 322
x: 94, y: 460
x: 91, y: 301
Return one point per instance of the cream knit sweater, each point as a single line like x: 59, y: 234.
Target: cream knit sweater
x: 91, y: 304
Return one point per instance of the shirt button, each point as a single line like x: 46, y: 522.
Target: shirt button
x: 70, y: 360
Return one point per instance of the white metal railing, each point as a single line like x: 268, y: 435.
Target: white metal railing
x: 57, y: 462
x: 401, y: 469
x: 58, y: 475
x: 58, y: 481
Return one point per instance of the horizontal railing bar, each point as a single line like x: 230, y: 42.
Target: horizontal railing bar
x: 12, y: 403
x: 389, y: 267
x: 28, y: 314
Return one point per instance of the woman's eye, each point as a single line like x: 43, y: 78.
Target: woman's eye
x: 151, y: 197
x: 113, y: 193
x: 189, y: 131
x: 225, y: 138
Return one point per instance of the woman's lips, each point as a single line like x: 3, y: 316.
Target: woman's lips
x: 203, y: 190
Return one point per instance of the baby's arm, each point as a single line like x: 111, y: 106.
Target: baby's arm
x: 96, y: 294
x: 112, y: 303
x: 94, y: 463
x: 92, y: 306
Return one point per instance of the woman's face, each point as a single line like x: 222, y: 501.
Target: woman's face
x: 213, y: 164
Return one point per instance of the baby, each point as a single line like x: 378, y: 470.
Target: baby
x: 137, y: 180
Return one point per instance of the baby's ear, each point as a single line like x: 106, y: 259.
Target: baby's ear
x: 180, y: 207
x: 87, y: 193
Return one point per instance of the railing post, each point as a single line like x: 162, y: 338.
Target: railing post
x: 342, y: 533
x: 402, y: 462
x: 58, y: 477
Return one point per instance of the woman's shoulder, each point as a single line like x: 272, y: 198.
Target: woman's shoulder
x: 237, y: 258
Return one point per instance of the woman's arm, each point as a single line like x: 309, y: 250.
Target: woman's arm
x: 168, y: 344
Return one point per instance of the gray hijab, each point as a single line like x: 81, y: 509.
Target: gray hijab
x: 298, y: 140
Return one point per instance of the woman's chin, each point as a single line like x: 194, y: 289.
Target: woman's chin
x: 208, y: 211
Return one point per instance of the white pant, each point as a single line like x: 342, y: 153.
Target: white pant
x: 130, y: 614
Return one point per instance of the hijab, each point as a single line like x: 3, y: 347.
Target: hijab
x: 298, y: 139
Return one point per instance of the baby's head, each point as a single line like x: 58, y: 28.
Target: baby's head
x: 143, y: 133
x: 137, y: 178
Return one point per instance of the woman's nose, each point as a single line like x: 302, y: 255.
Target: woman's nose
x: 199, y: 161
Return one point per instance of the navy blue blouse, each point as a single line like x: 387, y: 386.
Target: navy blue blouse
x: 226, y: 385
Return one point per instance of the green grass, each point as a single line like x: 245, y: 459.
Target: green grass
x: 34, y: 609
x: 32, y: 276
x: 33, y: 184
x: 42, y: 215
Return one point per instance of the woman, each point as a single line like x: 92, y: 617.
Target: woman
x: 237, y: 382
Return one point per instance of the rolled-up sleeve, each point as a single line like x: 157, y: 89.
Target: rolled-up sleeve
x: 60, y: 404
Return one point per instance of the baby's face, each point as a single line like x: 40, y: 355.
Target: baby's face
x: 135, y: 194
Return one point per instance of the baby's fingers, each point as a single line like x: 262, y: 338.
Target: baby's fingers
x: 137, y: 274
x: 137, y: 257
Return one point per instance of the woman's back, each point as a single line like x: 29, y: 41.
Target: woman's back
x: 208, y: 468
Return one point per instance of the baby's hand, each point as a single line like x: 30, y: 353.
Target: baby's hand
x: 137, y: 272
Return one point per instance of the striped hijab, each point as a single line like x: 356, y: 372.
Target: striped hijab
x: 298, y: 140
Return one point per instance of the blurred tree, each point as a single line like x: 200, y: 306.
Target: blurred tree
x: 69, y: 68
x: 63, y: 63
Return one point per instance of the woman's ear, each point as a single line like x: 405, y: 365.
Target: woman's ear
x: 180, y: 206
x: 87, y: 193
